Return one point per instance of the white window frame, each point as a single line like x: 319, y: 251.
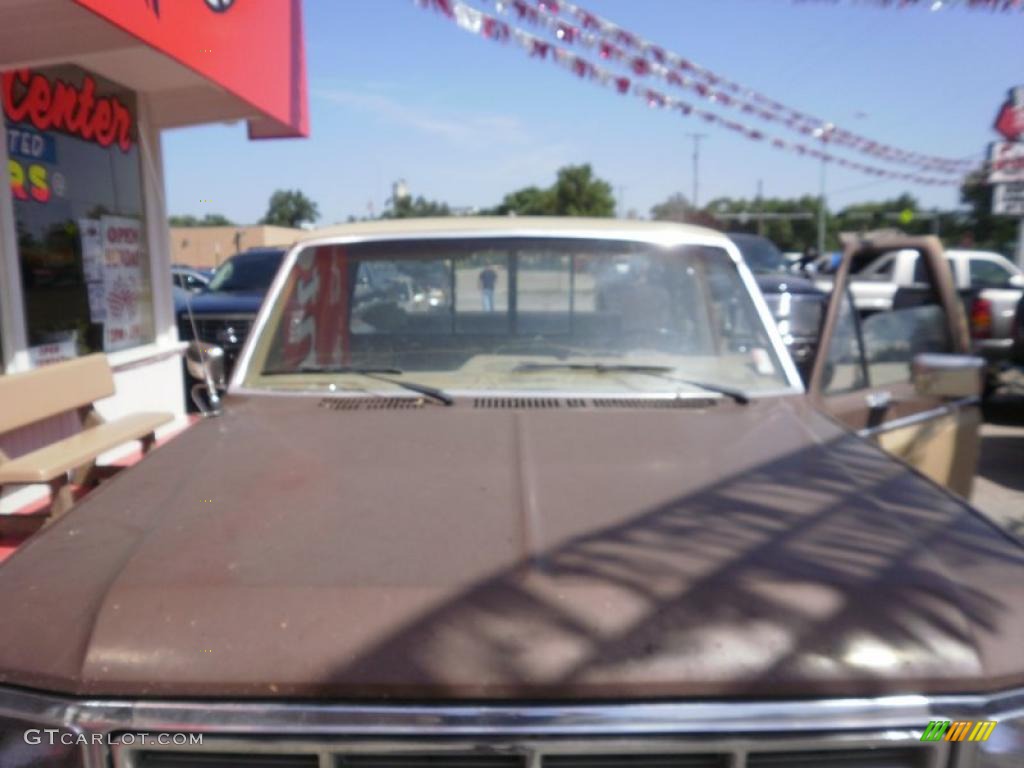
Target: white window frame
x: 13, y: 333
x: 13, y: 328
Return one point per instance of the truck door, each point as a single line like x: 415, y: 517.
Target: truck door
x: 902, y: 377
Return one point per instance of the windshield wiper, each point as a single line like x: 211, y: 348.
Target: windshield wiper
x: 380, y: 374
x: 661, y: 371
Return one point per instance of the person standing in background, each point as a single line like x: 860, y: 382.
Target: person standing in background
x: 488, y: 280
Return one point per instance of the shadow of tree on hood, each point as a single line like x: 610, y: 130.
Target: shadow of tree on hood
x: 829, y: 571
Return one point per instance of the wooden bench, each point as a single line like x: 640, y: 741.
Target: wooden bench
x: 37, y: 395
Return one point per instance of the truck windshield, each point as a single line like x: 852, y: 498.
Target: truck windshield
x: 760, y: 253
x: 250, y: 272
x: 481, y: 314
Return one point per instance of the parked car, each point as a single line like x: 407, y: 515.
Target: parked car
x: 996, y: 283
x: 539, y: 532
x: 224, y: 311
x: 795, y: 301
x: 414, y: 289
x: 188, y: 278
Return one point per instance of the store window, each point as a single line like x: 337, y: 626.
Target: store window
x: 76, y: 179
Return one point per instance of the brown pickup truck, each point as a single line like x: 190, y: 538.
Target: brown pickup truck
x: 576, y: 510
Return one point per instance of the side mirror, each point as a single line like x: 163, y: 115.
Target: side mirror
x: 205, y: 362
x: 950, y: 376
x: 1016, y: 281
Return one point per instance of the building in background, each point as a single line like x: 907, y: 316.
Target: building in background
x: 85, y: 250
x: 206, y: 247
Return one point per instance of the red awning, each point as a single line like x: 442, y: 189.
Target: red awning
x: 252, y: 50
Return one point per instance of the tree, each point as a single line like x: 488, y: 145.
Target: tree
x: 740, y: 215
x: 982, y: 229
x: 290, y: 208
x: 528, y: 201
x: 884, y: 214
x: 675, y: 208
x: 415, y: 208
x: 576, y: 192
x: 209, y: 220
x: 216, y: 220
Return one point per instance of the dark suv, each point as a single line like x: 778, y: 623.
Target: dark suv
x: 795, y: 302
x: 223, y: 313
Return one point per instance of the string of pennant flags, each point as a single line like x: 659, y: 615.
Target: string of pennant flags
x: 939, y: 5
x: 478, y: 22
x: 573, y: 25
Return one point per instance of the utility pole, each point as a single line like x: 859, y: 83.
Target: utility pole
x: 697, y: 138
x: 823, y: 134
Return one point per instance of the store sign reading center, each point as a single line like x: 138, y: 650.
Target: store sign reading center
x: 60, y: 106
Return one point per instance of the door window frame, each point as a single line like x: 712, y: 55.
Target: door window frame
x: 851, y: 407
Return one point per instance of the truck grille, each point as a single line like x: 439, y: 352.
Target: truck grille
x: 223, y: 760
x: 228, y: 331
x: 878, y: 758
x: 636, y: 761
x: 843, y: 751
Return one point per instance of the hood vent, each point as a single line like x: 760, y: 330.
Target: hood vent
x: 371, y: 403
x: 520, y: 403
x: 549, y: 403
x: 517, y: 403
x: 689, y: 403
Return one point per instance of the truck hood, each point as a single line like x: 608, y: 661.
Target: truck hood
x: 295, y: 548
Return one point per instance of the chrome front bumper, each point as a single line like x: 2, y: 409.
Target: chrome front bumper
x: 737, y: 733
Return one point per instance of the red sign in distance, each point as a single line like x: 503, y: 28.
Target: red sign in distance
x: 1010, y: 122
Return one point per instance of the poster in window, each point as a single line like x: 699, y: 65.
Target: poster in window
x: 122, y: 282
x: 91, y: 240
x: 60, y: 346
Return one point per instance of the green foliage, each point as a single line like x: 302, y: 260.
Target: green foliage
x: 576, y: 192
x: 977, y: 228
x: 787, y: 234
x: 885, y: 214
x: 290, y: 208
x: 981, y: 229
x: 528, y: 201
x: 415, y: 208
x: 209, y: 220
x: 675, y: 208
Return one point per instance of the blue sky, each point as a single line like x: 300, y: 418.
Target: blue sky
x: 398, y: 92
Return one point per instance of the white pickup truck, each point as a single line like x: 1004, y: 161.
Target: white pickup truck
x: 998, y: 281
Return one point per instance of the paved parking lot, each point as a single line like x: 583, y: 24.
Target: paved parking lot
x: 999, y: 486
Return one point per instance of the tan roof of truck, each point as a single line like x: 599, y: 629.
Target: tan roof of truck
x: 541, y: 225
